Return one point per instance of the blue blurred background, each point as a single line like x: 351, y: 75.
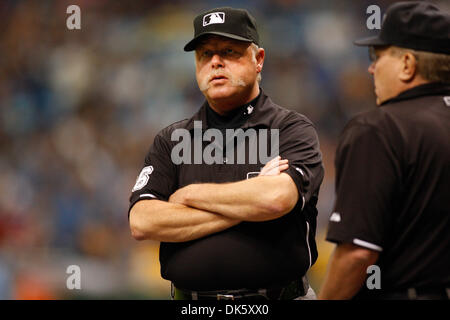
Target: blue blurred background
x: 79, y: 110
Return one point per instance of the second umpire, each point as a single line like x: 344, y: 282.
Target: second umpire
x: 393, y: 167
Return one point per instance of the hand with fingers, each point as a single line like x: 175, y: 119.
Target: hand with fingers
x: 274, y: 167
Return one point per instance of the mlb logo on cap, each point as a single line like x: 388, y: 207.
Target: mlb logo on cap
x: 240, y: 25
x: 215, y: 17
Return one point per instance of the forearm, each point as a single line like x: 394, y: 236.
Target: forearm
x: 257, y: 199
x: 346, y: 272
x: 171, y: 222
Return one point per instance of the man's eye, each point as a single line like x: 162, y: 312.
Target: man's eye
x: 207, y: 54
x: 231, y: 53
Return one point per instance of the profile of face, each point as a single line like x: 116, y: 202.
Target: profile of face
x: 227, y: 69
x: 384, y: 69
x: 392, y: 72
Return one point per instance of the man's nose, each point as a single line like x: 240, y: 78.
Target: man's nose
x: 217, y: 61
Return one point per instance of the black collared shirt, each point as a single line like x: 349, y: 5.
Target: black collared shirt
x: 234, y: 119
x: 251, y: 254
x: 393, y: 188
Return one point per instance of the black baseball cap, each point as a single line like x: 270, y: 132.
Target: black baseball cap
x: 415, y: 25
x: 228, y: 22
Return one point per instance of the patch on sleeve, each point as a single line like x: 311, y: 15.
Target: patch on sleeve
x: 142, y: 179
x: 335, y: 217
x: 447, y: 101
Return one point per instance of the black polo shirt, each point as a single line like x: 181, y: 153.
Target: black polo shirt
x: 250, y: 254
x: 393, y: 188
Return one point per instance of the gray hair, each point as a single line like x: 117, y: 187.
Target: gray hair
x: 433, y: 67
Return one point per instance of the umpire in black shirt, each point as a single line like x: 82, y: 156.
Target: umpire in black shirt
x: 393, y: 168
x: 229, y: 229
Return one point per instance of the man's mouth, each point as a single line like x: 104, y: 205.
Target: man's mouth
x: 218, y: 78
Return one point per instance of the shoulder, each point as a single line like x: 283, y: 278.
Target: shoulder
x: 162, y: 141
x: 287, y: 117
x: 166, y: 132
x: 395, y: 113
x: 369, y: 129
x: 377, y: 120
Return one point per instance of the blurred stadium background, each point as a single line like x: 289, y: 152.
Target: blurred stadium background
x: 79, y: 109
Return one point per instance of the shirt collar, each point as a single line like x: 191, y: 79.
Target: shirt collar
x: 259, y: 113
x: 234, y: 119
x: 428, y: 89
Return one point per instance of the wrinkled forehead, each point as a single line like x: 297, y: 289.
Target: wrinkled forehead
x: 216, y: 41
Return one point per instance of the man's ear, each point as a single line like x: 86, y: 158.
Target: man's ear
x: 408, y: 67
x: 260, y: 59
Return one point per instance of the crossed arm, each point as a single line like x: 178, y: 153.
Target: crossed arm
x: 198, y: 210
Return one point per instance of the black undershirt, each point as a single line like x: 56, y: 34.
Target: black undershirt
x: 234, y: 119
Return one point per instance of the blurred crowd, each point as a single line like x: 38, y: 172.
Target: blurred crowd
x: 79, y: 110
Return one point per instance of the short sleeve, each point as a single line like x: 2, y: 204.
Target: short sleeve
x: 157, y: 179
x: 365, y: 188
x: 299, y: 144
